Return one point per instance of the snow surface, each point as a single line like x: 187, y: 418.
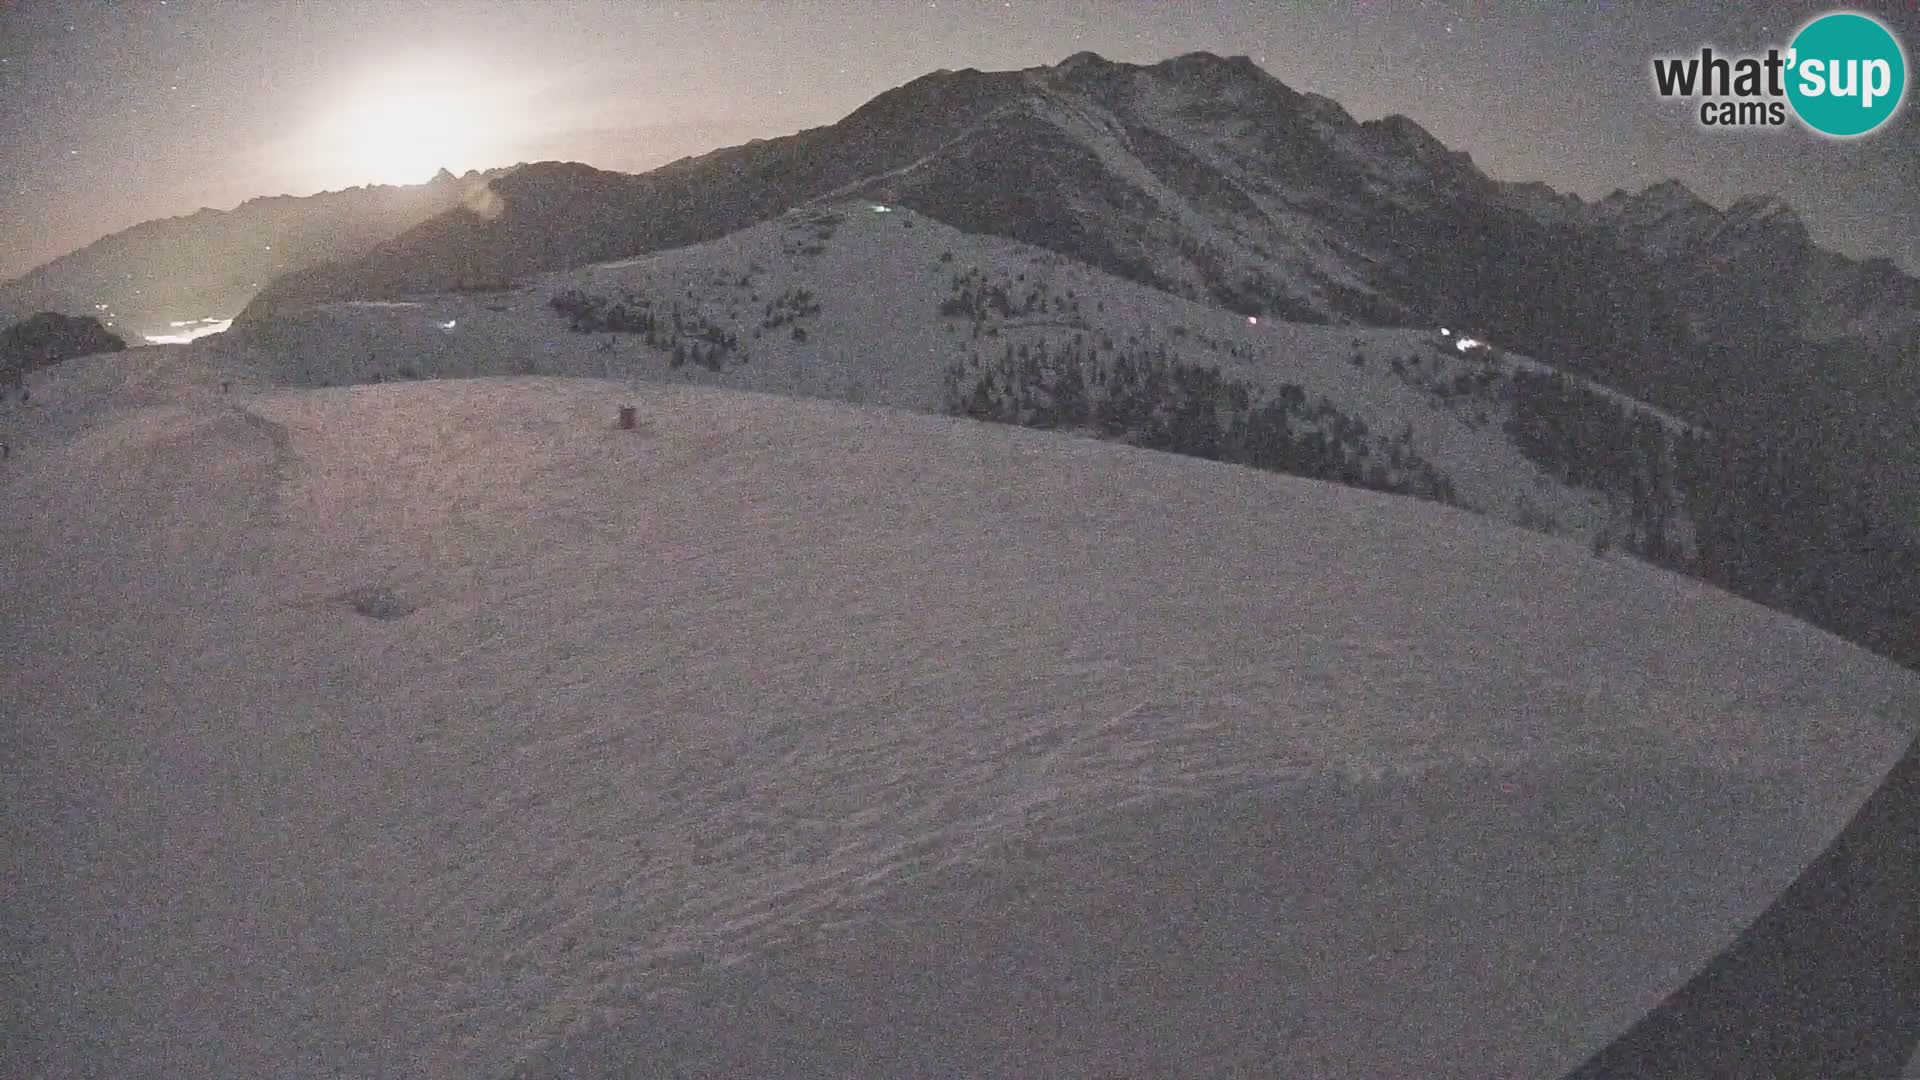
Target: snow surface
x: 783, y: 736
x: 880, y: 279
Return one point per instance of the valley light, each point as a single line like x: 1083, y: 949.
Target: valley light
x: 878, y: 209
x: 194, y: 330
x: 449, y: 324
x: 1466, y: 343
x: 1445, y: 332
x: 1252, y: 321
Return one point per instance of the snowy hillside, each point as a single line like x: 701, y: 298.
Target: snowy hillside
x: 869, y: 303
x: 443, y: 729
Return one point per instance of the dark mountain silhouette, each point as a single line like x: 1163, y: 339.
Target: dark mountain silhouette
x: 554, y: 215
x: 209, y: 264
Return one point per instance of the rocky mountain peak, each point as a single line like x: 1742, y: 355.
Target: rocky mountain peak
x: 1208, y: 70
x: 1404, y: 130
x: 1082, y: 61
x: 1665, y: 198
x: 1765, y: 209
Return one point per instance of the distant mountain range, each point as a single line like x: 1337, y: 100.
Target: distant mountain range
x: 1207, y: 181
x: 161, y: 275
x: 1202, y: 176
x: 1208, y: 178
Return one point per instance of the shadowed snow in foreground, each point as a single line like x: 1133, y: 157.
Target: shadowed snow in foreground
x: 1462, y: 923
x: 445, y: 730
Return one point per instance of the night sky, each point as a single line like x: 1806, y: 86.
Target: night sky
x: 116, y: 111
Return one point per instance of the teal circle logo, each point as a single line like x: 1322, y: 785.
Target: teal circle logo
x: 1846, y: 74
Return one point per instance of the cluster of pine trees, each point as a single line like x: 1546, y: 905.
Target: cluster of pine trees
x: 1574, y: 433
x: 686, y: 336
x: 789, y: 306
x: 972, y: 295
x: 1147, y: 398
x: 1584, y: 438
x: 1767, y: 526
x: 810, y: 232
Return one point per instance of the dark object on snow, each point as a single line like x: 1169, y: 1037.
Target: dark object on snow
x: 626, y: 418
x: 48, y: 338
x: 377, y: 603
x: 1826, y: 982
x: 5, y: 451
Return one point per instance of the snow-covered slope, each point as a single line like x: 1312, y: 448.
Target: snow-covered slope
x: 444, y: 729
x: 869, y: 303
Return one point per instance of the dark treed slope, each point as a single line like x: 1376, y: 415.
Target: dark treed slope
x: 47, y: 338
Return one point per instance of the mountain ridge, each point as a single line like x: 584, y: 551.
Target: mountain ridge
x: 1172, y: 118
x: 208, y: 264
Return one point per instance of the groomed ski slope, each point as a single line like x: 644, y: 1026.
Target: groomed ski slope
x: 794, y: 738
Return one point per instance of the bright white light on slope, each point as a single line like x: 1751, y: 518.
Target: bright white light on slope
x: 196, y: 328
x: 450, y: 324
x: 1466, y: 343
x: 1252, y: 321
x: 1444, y: 331
x: 878, y: 209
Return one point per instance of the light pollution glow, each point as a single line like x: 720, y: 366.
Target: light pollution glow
x: 194, y: 330
x: 400, y: 120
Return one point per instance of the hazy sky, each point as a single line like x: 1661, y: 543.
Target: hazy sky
x: 116, y: 111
